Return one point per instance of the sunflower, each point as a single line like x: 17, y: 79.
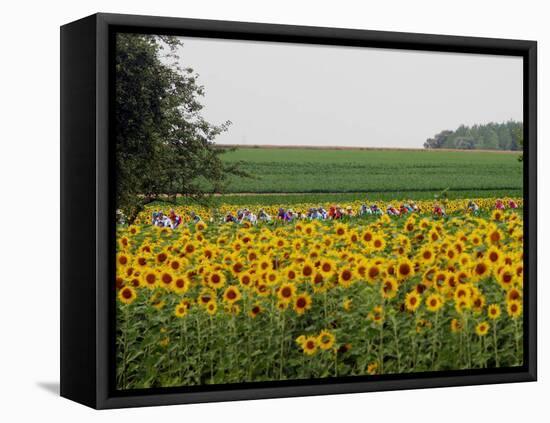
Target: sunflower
x: 308, y: 229
x: 300, y: 340
x: 141, y: 261
x: 361, y: 268
x: 310, y: 345
x: 206, y: 296
x: 388, y: 288
x: 451, y: 255
x: 377, y: 315
x: 372, y: 368
x: 378, y: 243
x: 367, y: 236
x: 232, y: 294
x: 281, y: 305
x: 353, y: 237
x: 174, y: 265
x: 307, y: 269
x: 133, y: 229
x: 252, y: 255
x: 135, y: 282
x: 215, y: 279
x: 433, y: 236
x: 180, y: 310
x: 271, y: 278
x: 286, y: 292
x: 427, y: 255
x: 180, y: 285
x: 123, y: 260
x: 302, y: 303
x: 201, y: 226
x: 150, y: 279
x: 340, y: 230
x: 493, y: 311
x: 327, y: 241
x: 494, y: 236
x: 404, y: 269
x: 463, y: 292
x: 319, y: 282
x: 452, y: 281
x: 497, y: 215
x: 347, y: 304
x: 211, y: 308
x: 482, y: 328
x: 255, y: 310
x: 478, y: 302
x: 127, y: 295
x: 462, y: 304
x: 514, y: 308
x: 261, y: 289
x: 434, y: 302
x: 209, y: 252
x: 237, y: 267
x: 157, y: 301
x: 428, y: 276
x: 246, y: 279
x: 476, y: 239
x: 412, y: 301
x: 513, y: 294
x: 462, y: 277
x: 327, y: 267
x: 232, y: 309
x: 325, y: 340
x: 440, y: 280
x: 480, y: 270
x: 374, y: 272
x: 410, y: 224
x: 161, y: 257
x: 166, y: 279
x: 493, y: 255
x: 345, y: 277
x: 456, y: 326
x: 506, y: 278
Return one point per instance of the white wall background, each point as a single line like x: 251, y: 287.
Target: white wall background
x: 29, y: 208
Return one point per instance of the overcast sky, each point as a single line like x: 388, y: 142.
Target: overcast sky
x: 292, y: 94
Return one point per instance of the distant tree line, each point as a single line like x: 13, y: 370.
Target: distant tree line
x: 491, y: 136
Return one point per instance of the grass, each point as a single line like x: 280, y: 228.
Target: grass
x: 376, y: 173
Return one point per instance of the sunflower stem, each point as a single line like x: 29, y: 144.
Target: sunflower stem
x: 381, y: 348
x: 434, y: 339
x: 495, y: 343
x: 199, y: 351
x: 516, y: 338
x: 468, y: 342
x: 282, y: 346
x: 125, y: 348
x: 335, y: 362
x: 212, y: 350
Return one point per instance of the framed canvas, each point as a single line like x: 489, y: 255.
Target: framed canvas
x: 256, y: 211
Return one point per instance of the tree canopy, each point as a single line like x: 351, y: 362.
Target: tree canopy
x: 492, y: 136
x: 164, y: 147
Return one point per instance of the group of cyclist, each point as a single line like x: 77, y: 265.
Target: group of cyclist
x: 335, y: 212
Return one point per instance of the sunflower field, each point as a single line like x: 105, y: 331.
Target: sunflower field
x: 213, y: 303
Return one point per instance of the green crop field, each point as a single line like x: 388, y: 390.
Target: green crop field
x: 379, y: 173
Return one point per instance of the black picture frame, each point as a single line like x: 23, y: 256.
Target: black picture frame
x: 87, y: 209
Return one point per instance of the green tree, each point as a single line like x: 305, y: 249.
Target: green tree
x: 495, y: 136
x: 490, y: 140
x: 517, y: 135
x: 164, y: 147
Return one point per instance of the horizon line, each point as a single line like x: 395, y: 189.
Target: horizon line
x: 342, y: 147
